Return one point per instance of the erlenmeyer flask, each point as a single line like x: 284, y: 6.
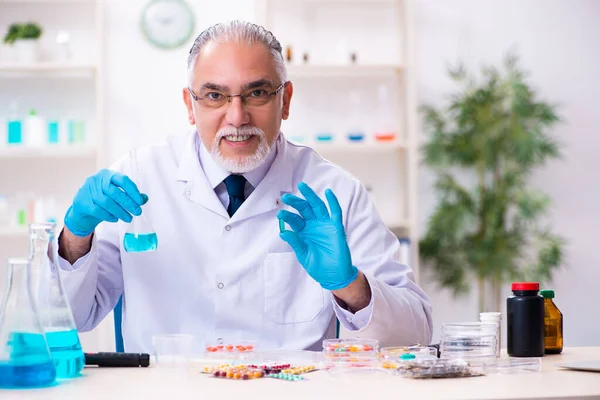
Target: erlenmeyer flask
x: 25, y: 359
x: 52, y: 304
x: 139, y: 235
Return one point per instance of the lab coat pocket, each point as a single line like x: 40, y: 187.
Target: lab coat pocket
x: 291, y: 295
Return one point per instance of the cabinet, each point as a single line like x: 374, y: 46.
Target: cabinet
x: 352, y: 66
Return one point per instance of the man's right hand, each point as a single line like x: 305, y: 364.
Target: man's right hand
x: 105, y: 196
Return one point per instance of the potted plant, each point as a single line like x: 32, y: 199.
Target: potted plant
x: 490, y: 226
x: 24, y: 38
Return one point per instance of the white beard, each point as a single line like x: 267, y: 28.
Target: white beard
x: 248, y: 163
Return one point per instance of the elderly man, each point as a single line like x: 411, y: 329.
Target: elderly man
x: 222, y: 269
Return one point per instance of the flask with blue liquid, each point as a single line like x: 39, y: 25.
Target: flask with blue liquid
x: 55, y: 314
x: 25, y: 359
x: 140, y: 235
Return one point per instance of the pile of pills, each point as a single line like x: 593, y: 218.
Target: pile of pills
x: 239, y: 373
x: 270, y: 369
x: 299, y: 370
x: 286, y: 377
x: 230, y: 348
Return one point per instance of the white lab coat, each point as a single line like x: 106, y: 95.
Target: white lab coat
x: 228, y: 279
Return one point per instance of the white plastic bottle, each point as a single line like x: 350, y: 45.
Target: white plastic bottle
x: 35, y: 130
x: 493, y: 318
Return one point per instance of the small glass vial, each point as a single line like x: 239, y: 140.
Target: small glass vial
x: 553, y: 324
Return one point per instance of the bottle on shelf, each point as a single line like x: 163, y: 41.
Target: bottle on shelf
x: 34, y: 131
x: 385, y: 130
x: 14, y: 127
x: 355, y: 131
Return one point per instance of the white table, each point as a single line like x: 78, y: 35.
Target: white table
x: 156, y: 383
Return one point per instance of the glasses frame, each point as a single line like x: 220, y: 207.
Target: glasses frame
x: 241, y: 96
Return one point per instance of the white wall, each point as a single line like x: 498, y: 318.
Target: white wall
x: 557, y: 40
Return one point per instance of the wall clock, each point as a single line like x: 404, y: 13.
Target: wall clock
x: 167, y: 24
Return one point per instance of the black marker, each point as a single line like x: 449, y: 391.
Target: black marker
x: 117, y: 359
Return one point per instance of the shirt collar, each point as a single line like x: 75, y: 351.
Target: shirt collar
x: 216, y: 173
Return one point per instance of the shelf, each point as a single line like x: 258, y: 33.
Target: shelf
x: 47, y: 152
x: 343, y: 71
x: 13, y: 231
x: 53, y: 69
x: 365, y: 148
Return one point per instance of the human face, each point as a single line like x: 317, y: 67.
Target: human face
x: 238, y: 136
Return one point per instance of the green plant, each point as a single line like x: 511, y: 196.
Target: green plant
x: 22, y: 31
x: 490, y: 224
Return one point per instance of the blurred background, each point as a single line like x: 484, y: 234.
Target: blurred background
x: 486, y: 175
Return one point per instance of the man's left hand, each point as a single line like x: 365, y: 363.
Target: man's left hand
x: 319, y: 241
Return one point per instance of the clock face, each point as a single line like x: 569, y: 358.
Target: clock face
x: 167, y: 24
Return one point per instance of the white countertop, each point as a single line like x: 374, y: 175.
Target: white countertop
x: 157, y: 382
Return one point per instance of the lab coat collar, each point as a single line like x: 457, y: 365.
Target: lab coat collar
x: 265, y: 197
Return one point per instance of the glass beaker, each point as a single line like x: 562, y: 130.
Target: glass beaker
x: 25, y: 359
x: 52, y: 303
x: 139, y: 235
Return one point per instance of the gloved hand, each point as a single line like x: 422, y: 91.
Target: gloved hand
x: 318, y: 239
x: 104, y: 196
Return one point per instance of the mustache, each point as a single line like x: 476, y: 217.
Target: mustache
x: 242, y: 130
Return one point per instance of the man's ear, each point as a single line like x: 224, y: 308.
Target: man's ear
x: 288, y: 91
x: 187, y: 99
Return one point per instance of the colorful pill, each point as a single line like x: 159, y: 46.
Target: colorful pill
x: 281, y: 226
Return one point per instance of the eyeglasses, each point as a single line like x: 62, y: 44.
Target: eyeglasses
x: 250, y: 98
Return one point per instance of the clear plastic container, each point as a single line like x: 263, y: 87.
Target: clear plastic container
x: 473, y: 341
x: 173, y: 350
x: 342, y: 349
x: 242, y: 346
x: 391, y: 357
x: 512, y: 365
x: 429, y: 369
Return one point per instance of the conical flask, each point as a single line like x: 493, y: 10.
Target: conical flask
x: 25, y: 359
x: 49, y: 296
x: 140, y: 235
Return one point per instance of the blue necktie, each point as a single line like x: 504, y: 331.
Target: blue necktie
x: 235, y: 188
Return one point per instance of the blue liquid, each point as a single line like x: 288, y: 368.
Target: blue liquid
x: 53, y: 134
x: 15, y: 132
x: 66, y: 352
x: 142, y: 242
x: 324, y: 137
x: 356, y: 137
x: 29, y: 365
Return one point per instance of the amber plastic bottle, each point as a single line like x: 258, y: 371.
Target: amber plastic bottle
x: 553, y: 324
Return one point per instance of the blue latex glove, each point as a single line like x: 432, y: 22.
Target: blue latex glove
x: 318, y: 239
x: 104, y: 196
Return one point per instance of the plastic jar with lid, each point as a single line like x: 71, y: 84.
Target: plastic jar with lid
x: 525, y: 320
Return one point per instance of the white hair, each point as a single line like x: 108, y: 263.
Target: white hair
x: 238, y: 32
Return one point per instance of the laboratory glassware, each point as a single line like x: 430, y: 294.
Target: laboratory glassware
x: 25, y: 359
x: 55, y: 314
x: 139, y: 236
